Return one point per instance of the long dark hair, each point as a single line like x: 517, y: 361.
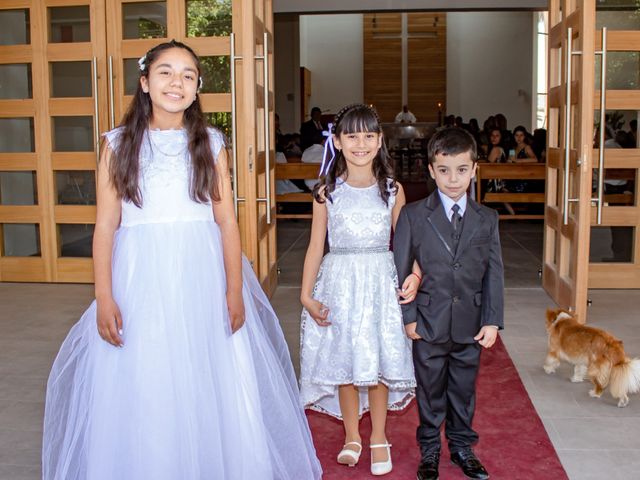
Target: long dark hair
x: 124, y: 169
x: 357, y: 118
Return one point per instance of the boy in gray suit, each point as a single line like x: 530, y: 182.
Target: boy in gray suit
x: 459, y: 305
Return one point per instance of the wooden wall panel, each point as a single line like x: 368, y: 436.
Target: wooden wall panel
x: 383, y: 63
x: 427, y: 82
x: 426, y: 69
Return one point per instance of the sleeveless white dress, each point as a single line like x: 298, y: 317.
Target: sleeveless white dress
x: 365, y: 343
x: 183, y: 399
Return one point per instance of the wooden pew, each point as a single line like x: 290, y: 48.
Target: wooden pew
x: 510, y: 171
x: 295, y: 171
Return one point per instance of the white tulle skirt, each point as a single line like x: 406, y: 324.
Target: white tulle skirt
x: 183, y: 399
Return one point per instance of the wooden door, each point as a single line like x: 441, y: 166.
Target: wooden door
x: 254, y: 152
x: 68, y: 69
x: 570, y: 150
x: 615, y: 242
x: 53, y: 106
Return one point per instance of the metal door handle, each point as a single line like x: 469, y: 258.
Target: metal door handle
x: 603, y: 85
x: 234, y: 140
x: 96, y: 111
x: 267, y: 132
x: 567, y: 130
x: 112, y: 97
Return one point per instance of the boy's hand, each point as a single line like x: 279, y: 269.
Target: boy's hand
x: 235, y: 306
x: 318, y: 311
x: 410, y: 330
x: 487, y: 336
x: 409, y: 289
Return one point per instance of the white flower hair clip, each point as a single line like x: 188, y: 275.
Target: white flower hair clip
x: 142, y: 62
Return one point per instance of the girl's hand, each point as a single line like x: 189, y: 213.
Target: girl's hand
x: 109, y: 321
x: 235, y: 305
x: 409, y: 289
x: 318, y: 311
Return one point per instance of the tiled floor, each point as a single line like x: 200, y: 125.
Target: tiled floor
x: 594, y: 438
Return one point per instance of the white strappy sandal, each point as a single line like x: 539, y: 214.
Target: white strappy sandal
x: 348, y: 456
x: 382, y: 468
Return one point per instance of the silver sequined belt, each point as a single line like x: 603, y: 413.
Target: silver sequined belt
x: 358, y: 251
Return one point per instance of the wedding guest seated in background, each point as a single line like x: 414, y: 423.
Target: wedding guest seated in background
x: 507, y: 138
x: 625, y: 139
x: 291, y: 146
x: 313, y: 154
x: 495, y: 153
x: 279, y: 135
x: 473, y: 128
x: 311, y: 130
x: 483, y: 137
x: 523, y: 153
x: 633, y: 132
x: 405, y: 116
x: 539, y: 144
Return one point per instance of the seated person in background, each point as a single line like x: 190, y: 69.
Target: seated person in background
x: 473, y: 127
x: 625, y: 139
x: 507, y: 138
x: 313, y: 154
x: 291, y: 145
x: 495, y: 153
x: 612, y: 185
x: 539, y: 144
x: 633, y: 132
x: 285, y: 186
x: 311, y: 130
x: 459, y: 122
x: 482, y: 138
x: 279, y: 135
x: 523, y: 153
x: 405, y: 116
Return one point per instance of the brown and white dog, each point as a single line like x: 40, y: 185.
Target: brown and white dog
x: 594, y: 353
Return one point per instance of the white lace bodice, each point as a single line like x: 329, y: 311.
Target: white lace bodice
x: 358, y: 217
x: 165, y: 178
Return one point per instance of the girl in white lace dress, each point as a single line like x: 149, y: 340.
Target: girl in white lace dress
x: 187, y: 375
x: 354, y: 353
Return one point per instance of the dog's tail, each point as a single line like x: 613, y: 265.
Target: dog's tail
x: 625, y: 378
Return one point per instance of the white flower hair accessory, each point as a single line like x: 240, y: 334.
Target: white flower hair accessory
x: 142, y: 62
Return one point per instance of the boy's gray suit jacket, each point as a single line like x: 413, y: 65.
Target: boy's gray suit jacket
x: 462, y: 287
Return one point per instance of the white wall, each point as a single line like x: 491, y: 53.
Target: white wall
x: 489, y: 65
x: 331, y: 48
x: 287, y: 71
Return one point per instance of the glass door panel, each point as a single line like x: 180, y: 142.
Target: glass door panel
x: 22, y: 248
x: 615, y: 249
x: 569, y: 156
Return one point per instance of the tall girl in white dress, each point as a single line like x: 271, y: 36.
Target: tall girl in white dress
x: 354, y: 352
x: 179, y: 369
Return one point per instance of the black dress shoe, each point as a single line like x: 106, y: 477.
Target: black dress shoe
x: 428, y: 468
x: 469, y: 463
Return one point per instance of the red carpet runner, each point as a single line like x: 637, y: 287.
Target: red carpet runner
x: 513, y: 442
